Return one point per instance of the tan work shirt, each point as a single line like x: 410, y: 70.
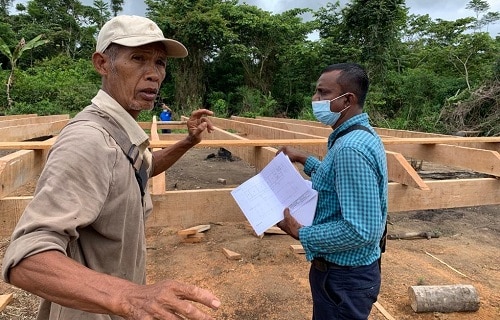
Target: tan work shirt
x: 87, y: 205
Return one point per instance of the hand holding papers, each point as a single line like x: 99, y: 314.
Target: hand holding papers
x: 263, y: 197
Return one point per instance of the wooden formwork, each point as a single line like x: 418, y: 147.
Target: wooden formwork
x: 256, y: 142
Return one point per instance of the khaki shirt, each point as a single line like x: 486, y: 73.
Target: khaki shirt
x: 87, y: 205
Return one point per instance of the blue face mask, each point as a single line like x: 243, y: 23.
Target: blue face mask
x: 322, y: 112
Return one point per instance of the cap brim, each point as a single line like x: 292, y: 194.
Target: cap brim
x: 175, y: 49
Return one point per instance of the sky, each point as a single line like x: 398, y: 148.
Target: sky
x: 437, y: 9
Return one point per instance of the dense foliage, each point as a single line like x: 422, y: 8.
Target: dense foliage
x: 427, y: 75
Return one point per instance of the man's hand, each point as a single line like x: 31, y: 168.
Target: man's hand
x: 168, y: 299
x: 293, y: 154
x: 197, y: 123
x: 290, y: 225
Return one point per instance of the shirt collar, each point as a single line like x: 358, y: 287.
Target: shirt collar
x: 109, y: 105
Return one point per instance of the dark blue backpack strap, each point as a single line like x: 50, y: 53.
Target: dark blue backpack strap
x: 346, y: 131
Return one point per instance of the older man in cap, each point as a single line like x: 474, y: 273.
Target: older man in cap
x: 80, y: 244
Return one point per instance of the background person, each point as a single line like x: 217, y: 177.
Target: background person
x: 343, y: 242
x: 165, y: 115
x: 80, y: 243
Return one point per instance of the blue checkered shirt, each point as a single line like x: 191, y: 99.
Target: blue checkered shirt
x: 352, y: 198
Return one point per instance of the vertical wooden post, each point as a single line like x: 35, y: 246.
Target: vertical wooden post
x: 158, y: 182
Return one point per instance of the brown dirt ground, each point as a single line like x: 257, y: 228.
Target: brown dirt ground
x: 270, y: 281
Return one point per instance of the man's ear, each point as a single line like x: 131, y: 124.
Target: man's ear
x: 352, y: 99
x: 101, y: 63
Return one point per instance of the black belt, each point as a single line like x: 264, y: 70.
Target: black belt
x: 322, y: 265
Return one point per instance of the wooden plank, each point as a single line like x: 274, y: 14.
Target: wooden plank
x: 193, y: 230
x: 297, y: 121
x: 18, y: 168
x: 11, y: 209
x: 31, y: 131
x: 408, y: 134
x: 5, y: 299
x: 163, y: 125
x: 158, y: 182
x: 323, y: 131
x: 257, y: 131
x: 484, y: 161
x: 441, y: 140
x: 193, y: 238
x: 171, y: 209
x: 231, y: 255
x: 21, y: 121
x: 399, y: 170
x: 17, y: 116
x: 274, y: 230
x: 31, y: 145
x: 445, y: 194
x: 382, y: 310
x: 297, y: 248
x: 321, y: 142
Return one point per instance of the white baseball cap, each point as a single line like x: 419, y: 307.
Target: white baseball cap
x: 135, y: 31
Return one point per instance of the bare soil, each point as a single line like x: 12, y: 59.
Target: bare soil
x: 271, y: 282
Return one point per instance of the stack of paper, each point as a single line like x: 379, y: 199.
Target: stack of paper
x: 279, y: 185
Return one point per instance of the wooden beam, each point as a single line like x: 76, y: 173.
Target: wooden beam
x: 20, y: 167
x: 484, y: 161
x: 297, y: 121
x: 14, y: 122
x: 17, y: 116
x: 408, y: 134
x: 323, y: 131
x: 163, y: 125
x: 257, y: 131
x: 445, y: 194
x: 158, y: 183
x: 193, y: 207
x: 402, y: 172
x: 445, y: 140
x: 31, y: 131
x: 272, y: 142
x: 32, y: 145
x: 399, y: 169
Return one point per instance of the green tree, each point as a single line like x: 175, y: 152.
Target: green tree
x: 374, y: 26
x: 4, y: 7
x: 201, y: 27
x: 103, y: 13
x: 13, y: 56
x: 116, y: 6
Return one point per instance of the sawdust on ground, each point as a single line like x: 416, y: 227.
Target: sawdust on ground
x: 271, y: 282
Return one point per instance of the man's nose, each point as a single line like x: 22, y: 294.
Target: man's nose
x: 154, y: 73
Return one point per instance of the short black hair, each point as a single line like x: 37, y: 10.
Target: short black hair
x: 353, y: 78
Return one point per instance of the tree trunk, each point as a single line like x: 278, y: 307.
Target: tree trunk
x: 449, y: 298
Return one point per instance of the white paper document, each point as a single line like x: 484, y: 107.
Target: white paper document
x: 279, y: 185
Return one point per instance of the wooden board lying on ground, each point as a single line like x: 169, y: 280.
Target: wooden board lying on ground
x: 4, y: 300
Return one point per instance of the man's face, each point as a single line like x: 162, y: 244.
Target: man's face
x: 327, y: 88
x: 134, y: 77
